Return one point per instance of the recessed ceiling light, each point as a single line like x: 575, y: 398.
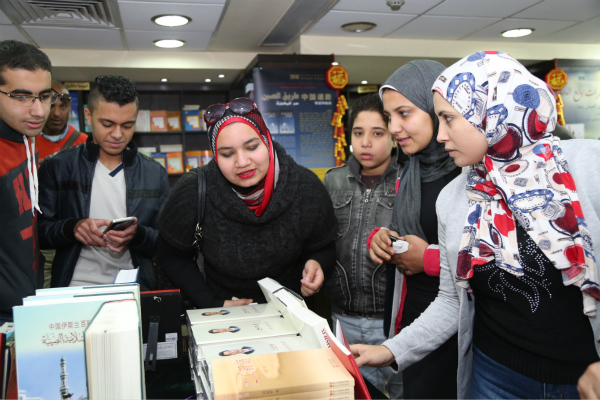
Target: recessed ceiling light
x: 164, y: 80
x: 171, y: 20
x: 208, y: 80
x: 364, y: 82
x: 358, y: 27
x: 514, y: 33
x: 169, y: 43
x: 221, y: 76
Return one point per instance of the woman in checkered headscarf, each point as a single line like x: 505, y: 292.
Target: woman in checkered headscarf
x: 517, y: 234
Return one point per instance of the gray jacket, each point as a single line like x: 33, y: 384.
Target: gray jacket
x: 357, y: 285
x: 452, y: 311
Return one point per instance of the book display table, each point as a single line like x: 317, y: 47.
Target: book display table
x: 173, y: 382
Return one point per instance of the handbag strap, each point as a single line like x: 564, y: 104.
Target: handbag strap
x: 201, y: 203
x: 72, y: 140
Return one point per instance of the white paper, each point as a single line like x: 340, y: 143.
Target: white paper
x: 399, y: 246
x: 126, y: 275
x: 164, y: 350
x: 171, y: 337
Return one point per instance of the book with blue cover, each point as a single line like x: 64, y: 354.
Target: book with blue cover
x: 192, y: 120
x: 50, y: 344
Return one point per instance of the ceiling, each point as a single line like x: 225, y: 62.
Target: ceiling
x: 85, y: 38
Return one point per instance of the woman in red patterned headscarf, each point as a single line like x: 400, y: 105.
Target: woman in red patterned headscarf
x: 517, y: 233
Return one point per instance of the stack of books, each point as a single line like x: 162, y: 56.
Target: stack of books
x: 80, y: 342
x: 276, y: 350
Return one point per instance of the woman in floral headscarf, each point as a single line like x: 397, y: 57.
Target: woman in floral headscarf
x: 517, y: 232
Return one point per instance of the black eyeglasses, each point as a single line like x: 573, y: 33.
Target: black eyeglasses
x: 241, y: 105
x: 27, y: 100
x: 64, y: 97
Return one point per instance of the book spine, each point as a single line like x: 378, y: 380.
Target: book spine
x: 337, y: 394
x: 261, y: 393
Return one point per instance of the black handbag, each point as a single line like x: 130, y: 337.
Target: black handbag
x: 162, y: 281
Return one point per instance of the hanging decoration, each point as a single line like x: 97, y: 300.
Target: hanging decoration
x: 557, y: 80
x: 338, y: 131
x: 337, y: 78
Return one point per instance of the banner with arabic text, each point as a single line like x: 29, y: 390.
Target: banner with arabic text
x: 298, y: 107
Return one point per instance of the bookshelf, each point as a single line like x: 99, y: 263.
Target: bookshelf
x: 173, y: 97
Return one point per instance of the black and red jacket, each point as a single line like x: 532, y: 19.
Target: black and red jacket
x: 21, y: 265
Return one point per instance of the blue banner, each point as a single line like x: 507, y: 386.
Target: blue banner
x: 298, y: 106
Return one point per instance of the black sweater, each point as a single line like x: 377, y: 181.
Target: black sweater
x: 532, y: 324
x: 240, y: 248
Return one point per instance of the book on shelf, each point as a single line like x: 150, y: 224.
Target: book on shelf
x: 113, y: 359
x: 206, y: 156
x: 50, y: 344
x: 168, y: 148
x: 227, y: 314
x: 142, y: 123
x: 192, y: 120
x: 192, y: 159
x: 161, y: 325
x: 160, y: 158
x: 202, y: 121
x: 258, y: 376
x: 173, y: 120
x: 174, y: 162
x: 158, y: 121
x: 147, y: 151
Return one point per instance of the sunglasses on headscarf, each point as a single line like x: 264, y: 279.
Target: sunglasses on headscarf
x: 241, y: 106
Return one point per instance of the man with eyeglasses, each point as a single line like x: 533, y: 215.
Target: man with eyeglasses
x: 25, y: 100
x: 57, y: 133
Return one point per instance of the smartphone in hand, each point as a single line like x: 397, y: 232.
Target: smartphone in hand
x: 120, y: 224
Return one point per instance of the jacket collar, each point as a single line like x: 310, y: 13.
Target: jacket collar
x: 355, y: 167
x: 128, y: 155
x: 8, y: 133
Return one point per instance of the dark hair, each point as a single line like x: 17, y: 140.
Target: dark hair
x: 369, y: 102
x: 112, y: 89
x: 19, y: 55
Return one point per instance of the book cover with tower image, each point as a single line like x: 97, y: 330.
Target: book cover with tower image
x: 49, y: 339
